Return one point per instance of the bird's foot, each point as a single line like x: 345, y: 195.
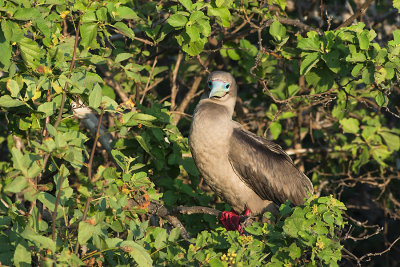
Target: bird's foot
x: 231, y: 220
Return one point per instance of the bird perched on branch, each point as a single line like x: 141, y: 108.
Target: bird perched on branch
x: 250, y: 173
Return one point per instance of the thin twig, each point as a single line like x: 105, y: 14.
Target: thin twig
x: 174, y: 87
x: 360, y: 12
x: 148, y: 80
x: 298, y: 24
x: 89, y: 199
x: 54, y: 215
x: 369, y: 255
x: 71, y: 67
x: 94, y: 146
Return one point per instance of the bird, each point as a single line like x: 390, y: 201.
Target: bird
x: 252, y: 174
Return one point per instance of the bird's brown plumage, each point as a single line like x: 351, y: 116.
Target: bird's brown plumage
x: 248, y: 171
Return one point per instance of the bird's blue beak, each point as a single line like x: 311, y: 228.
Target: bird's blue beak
x: 218, y: 88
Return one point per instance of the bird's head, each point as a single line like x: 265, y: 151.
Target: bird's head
x: 221, y: 85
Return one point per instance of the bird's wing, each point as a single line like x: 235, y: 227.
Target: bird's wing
x: 267, y: 169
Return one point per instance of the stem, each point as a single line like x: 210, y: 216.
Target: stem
x: 54, y: 215
x: 85, y: 211
x: 71, y: 67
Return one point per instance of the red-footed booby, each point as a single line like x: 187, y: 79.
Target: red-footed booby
x: 250, y: 173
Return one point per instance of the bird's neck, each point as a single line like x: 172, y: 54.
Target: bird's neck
x: 218, y: 108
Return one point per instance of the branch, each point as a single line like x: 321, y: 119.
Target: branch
x: 369, y: 255
x: 190, y: 95
x: 148, y: 80
x: 89, y: 199
x: 170, y: 216
x: 297, y: 23
x: 54, y: 215
x: 174, y: 87
x: 360, y: 12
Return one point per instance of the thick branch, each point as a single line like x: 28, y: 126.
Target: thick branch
x: 171, y: 216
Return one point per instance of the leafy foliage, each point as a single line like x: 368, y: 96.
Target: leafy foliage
x: 66, y: 201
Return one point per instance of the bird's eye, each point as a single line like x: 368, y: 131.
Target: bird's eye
x: 209, y: 84
x: 227, y: 86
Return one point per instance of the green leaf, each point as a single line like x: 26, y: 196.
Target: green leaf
x: 13, y: 88
x: 396, y: 33
x: 122, y: 56
x: 193, y: 32
x: 391, y: 140
x: 5, y: 49
x: 95, y: 96
x: 8, y: 102
x: 363, y: 39
x: 350, y: 125
x: 222, y: 13
x: 368, y: 75
x: 101, y: 14
x: 30, y: 51
x: 196, y: 16
x: 160, y: 238
x: 177, y: 20
x: 138, y: 253
x: 194, y: 48
x: 124, y: 29
x: 233, y: 54
x: 143, y: 117
x: 187, y: 4
x: 381, y: 99
x: 143, y: 144
x: 18, y: 160
x: 51, y: 129
x: 39, y: 240
x: 204, y: 24
x: 47, y: 108
x: 294, y: 251
x: 125, y: 12
x: 277, y: 30
x: 17, y: 185
x: 88, y: 35
x: 356, y: 57
x: 311, y: 43
x: 255, y: 229
x: 219, y: 3
x: 189, y: 165
x: 216, y: 262
x: 332, y: 61
x: 174, y: 234
x: 48, y: 200
x: 41, y: 24
x: 276, y: 129
x: 22, y: 255
x: 109, y: 104
x: 12, y: 31
x: 356, y: 70
x: 308, y: 62
x: 85, y: 232
x: 380, y: 154
x: 321, y: 79
x: 27, y: 14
